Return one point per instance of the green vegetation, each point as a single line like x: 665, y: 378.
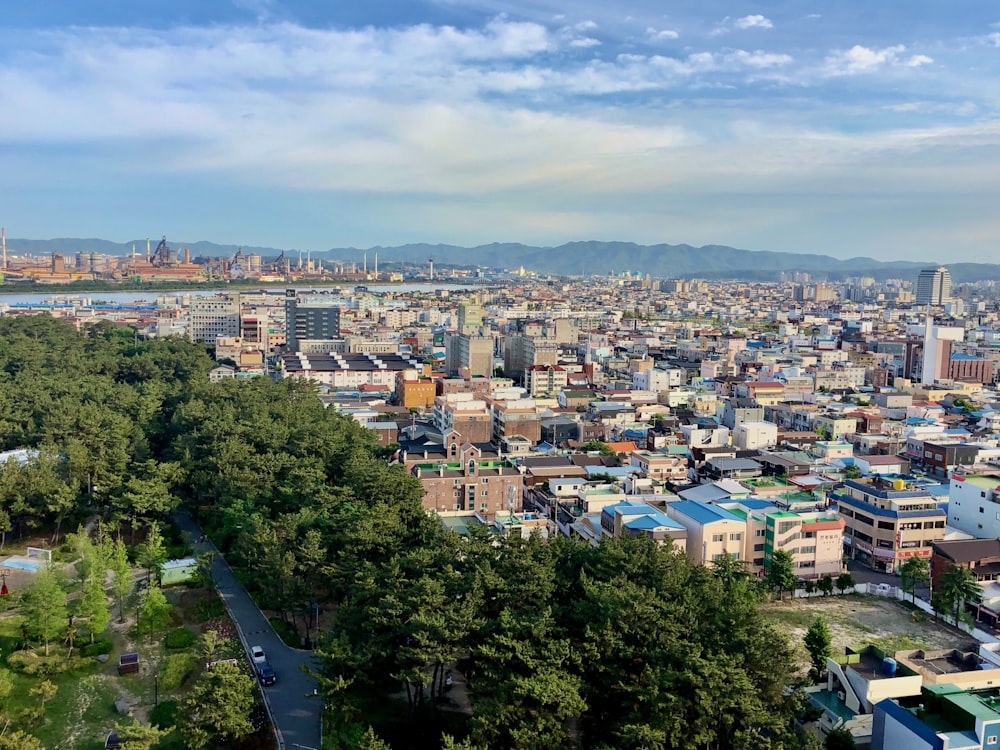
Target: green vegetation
x: 914, y: 572
x: 818, y: 642
x: 628, y: 645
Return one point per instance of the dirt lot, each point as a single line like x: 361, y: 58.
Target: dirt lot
x: 856, y: 621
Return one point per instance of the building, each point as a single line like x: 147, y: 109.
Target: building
x: 309, y: 318
x: 938, y: 341
x: 887, y: 519
x: 632, y: 518
x: 414, y: 391
x: 348, y: 372
x: 934, y: 286
x: 472, y: 353
x: 516, y: 417
x: 751, y: 436
x: 465, y: 415
x: 974, y: 504
x: 522, y: 351
x: 545, y: 380
x: 661, y: 467
x: 468, y: 482
x: 712, y: 532
x: 470, y: 316
x: 943, y: 717
x: 214, y: 317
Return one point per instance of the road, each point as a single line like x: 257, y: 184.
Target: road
x: 294, y: 708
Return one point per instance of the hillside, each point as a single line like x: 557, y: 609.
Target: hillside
x: 573, y: 258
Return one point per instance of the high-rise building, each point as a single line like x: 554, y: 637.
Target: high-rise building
x: 934, y: 286
x: 472, y: 352
x: 470, y: 316
x: 212, y: 317
x: 305, y: 319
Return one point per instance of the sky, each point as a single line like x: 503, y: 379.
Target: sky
x: 850, y: 128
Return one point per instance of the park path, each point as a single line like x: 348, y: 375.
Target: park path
x: 293, y: 704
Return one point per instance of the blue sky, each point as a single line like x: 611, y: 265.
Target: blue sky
x: 849, y: 128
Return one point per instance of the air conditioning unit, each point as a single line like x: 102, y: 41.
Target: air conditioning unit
x: 842, y: 695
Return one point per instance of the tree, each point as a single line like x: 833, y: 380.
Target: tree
x: 94, y: 606
x: 152, y: 553
x: 818, y: 642
x: 44, y: 691
x: 912, y: 573
x: 826, y: 584
x: 19, y: 740
x: 958, y: 586
x: 155, y: 610
x: 598, y: 446
x: 121, y: 574
x: 218, y: 707
x: 839, y: 739
x: 139, y: 736
x: 43, y: 605
x: 845, y: 581
x: 852, y: 472
x: 781, y: 572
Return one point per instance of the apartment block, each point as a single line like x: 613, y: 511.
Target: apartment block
x: 974, y: 504
x: 712, y: 532
x: 887, y: 519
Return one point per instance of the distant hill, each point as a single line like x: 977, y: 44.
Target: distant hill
x: 573, y: 258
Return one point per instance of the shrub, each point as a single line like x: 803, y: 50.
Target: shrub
x: 176, y: 668
x: 181, y: 638
x: 164, y: 715
x: 99, y: 646
x: 210, y: 609
x: 37, y: 665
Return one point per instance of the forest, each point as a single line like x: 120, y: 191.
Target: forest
x: 626, y: 645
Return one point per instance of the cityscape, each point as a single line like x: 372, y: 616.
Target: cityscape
x: 498, y: 375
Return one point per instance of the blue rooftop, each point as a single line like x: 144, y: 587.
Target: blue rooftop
x: 703, y: 513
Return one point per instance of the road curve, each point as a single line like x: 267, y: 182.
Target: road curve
x: 294, y: 707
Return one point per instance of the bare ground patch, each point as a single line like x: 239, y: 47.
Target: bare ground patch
x: 857, y: 621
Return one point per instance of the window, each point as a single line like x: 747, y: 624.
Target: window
x: 485, y: 480
x: 940, y: 524
x: 930, y: 524
x: 736, y: 537
x: 758, y: 548
x: 982, y: 509
x: 716, y: 558
x: 718, y: 537
x: 807, y: 550
x: 763, y: 532
x: 991, y: 740
x: 484, y: 506
x: 486, y: 493
x: 885, y: 525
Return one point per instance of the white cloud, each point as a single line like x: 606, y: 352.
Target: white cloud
x: 756, y: 21
x: 586, y: 26
x: 758, y: 59
x: 859, y: 60
x: 994, y: 38
x: 662, y: 34
x: 584, y: 42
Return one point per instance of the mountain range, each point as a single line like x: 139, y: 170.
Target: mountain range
x: 573, y: 258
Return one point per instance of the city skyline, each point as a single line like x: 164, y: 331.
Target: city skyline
x: 786, y: 127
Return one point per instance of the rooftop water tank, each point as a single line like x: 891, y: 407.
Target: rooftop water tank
x: 889, y: 667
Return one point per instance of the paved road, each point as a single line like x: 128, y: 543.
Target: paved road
x: 295, y: 711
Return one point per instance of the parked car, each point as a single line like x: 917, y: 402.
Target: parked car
x: 266, y: 674
x: 257, y: 655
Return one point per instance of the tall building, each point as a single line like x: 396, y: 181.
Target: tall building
x: 212, y: 317
x: 306, y: 320
x: 473, y: 352
x: 470, y: 316
x: 934, y: 286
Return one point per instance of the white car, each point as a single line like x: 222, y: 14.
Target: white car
x: 257, y: 655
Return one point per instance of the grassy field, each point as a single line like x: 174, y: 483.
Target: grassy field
x: 857, y: 621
